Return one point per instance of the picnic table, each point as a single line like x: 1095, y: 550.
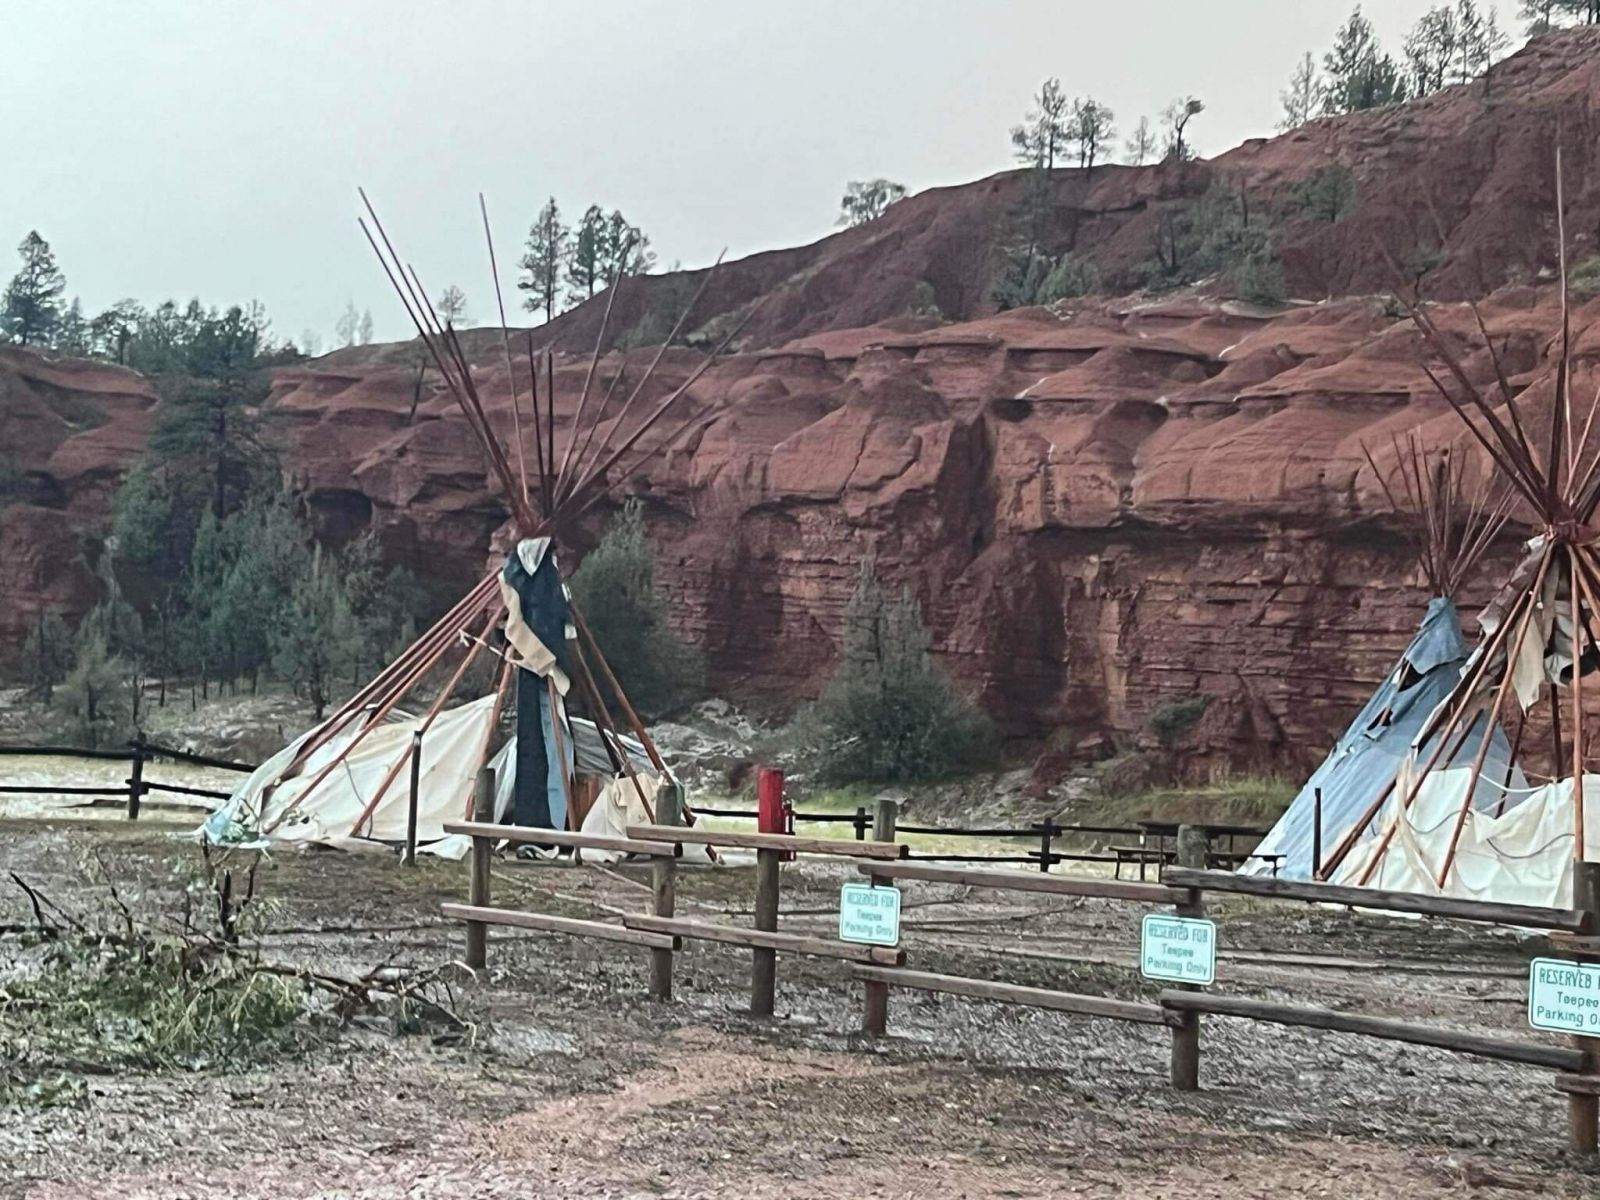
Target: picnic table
x: 1161, y: 855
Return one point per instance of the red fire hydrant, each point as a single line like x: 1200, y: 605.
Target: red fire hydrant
x: 773, y: 813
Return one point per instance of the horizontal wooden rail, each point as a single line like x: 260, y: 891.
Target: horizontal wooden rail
x: 768, y: 841
x: 569, y: 925
x: 533, y: 835
x: 66, y: 752
x: 1534, y: 1054
x: 43, y: 789
x: 793, y: 943
x: 151, y: 750
x: 149, y: 785
x: 1016, y: 993
x: 1528, y: 915
x: 1026, y: 881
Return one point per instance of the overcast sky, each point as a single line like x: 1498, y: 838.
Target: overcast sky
x: 213, y: 147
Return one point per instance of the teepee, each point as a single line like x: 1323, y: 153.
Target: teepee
x: 1538, y: 646
x: 1458, y: 524
x: 360, y: 774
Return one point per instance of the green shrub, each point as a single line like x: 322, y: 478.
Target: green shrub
x: 1171, y: 721
x: 1583, y: 276
x: 889, y: 714
x: 614, y: 588
x: 1328, y: 195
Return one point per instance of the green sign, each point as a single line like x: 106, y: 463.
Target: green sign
x: 1564, y: 997
x: 870, y: 915
x: 1178, y: 949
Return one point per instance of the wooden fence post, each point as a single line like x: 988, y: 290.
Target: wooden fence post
x: 885, y: 820
x: 1193, y: 851
x: 136, y: 781
x: 1316, y: 834
x: 663, y: 889
x: 410, y: 859
x: 1583, y: 1108
x: 478, y: 881
x: 875, y: 1013
x: 764, y: 963
x: 1047, y: 832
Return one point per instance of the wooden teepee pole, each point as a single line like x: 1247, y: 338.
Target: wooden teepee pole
x: 488, y: 733
x: 427, y: 721
x: 1492, y: 716
x: 616, y: 689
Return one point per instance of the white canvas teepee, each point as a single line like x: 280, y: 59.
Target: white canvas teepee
x: 1534, y: 665
x: 343, y: 782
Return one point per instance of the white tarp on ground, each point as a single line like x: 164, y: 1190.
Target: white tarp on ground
x: 326, y: 814
x: 1522, y: 856
x: 451, y: 750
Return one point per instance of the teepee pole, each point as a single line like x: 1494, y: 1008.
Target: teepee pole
x: 603, y: 723
x: 1331, y: 862
x: 511, y: 374
x: 1492, y: 717
x: 427, y: 721
x: 402, y: 673
x: 1578, y: 630
x: 616, y: 689
x: 391, y: 700
x: 488, y: 732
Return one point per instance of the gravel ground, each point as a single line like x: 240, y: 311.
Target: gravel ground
x: 579, y: 1086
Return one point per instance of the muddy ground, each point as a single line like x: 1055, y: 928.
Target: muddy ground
x: 577, y: 1085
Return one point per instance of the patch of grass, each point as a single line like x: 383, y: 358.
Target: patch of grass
x: 1244, y: 800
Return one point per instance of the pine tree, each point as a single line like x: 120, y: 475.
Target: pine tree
x: 1044, y: 132
x: 315, y: 634
x: 1303, y: 97
x: 1091, y: 130
x: 451, y: 307
x: 867, y: 199
x: 543, y: 260
x: 94, y: 695
x: 364, y: 328
x: 30, y: 307
x: 585, y: 274
x: 1176, y: 117
x: 889, y: 714
x: 348, y: 328
x: 46, y: 655
x: 624, y: 249
x: 1141, y: 144
x: 1360, y: 75
x: 72, y: 331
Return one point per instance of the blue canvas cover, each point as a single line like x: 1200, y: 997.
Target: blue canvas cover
x: 1372, y: 749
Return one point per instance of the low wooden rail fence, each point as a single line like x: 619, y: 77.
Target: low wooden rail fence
x: 136, y: 787
x: 882, y: 969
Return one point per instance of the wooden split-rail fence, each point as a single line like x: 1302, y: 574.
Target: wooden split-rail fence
x: 881, y: 970
x: 132, y: 791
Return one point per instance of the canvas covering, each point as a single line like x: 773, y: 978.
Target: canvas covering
x: 1377, y: 744
x: 1523, y: 855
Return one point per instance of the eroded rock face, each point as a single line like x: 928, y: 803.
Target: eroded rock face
x: 1104, y: 511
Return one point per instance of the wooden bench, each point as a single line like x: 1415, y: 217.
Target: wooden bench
x: 1142, y: 855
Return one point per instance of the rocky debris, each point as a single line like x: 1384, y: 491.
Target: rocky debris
x: 711, y: 750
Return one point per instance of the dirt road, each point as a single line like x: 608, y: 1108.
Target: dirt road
x: 579, y: 1086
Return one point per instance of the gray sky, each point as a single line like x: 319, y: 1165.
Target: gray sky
x: 214, y: 148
